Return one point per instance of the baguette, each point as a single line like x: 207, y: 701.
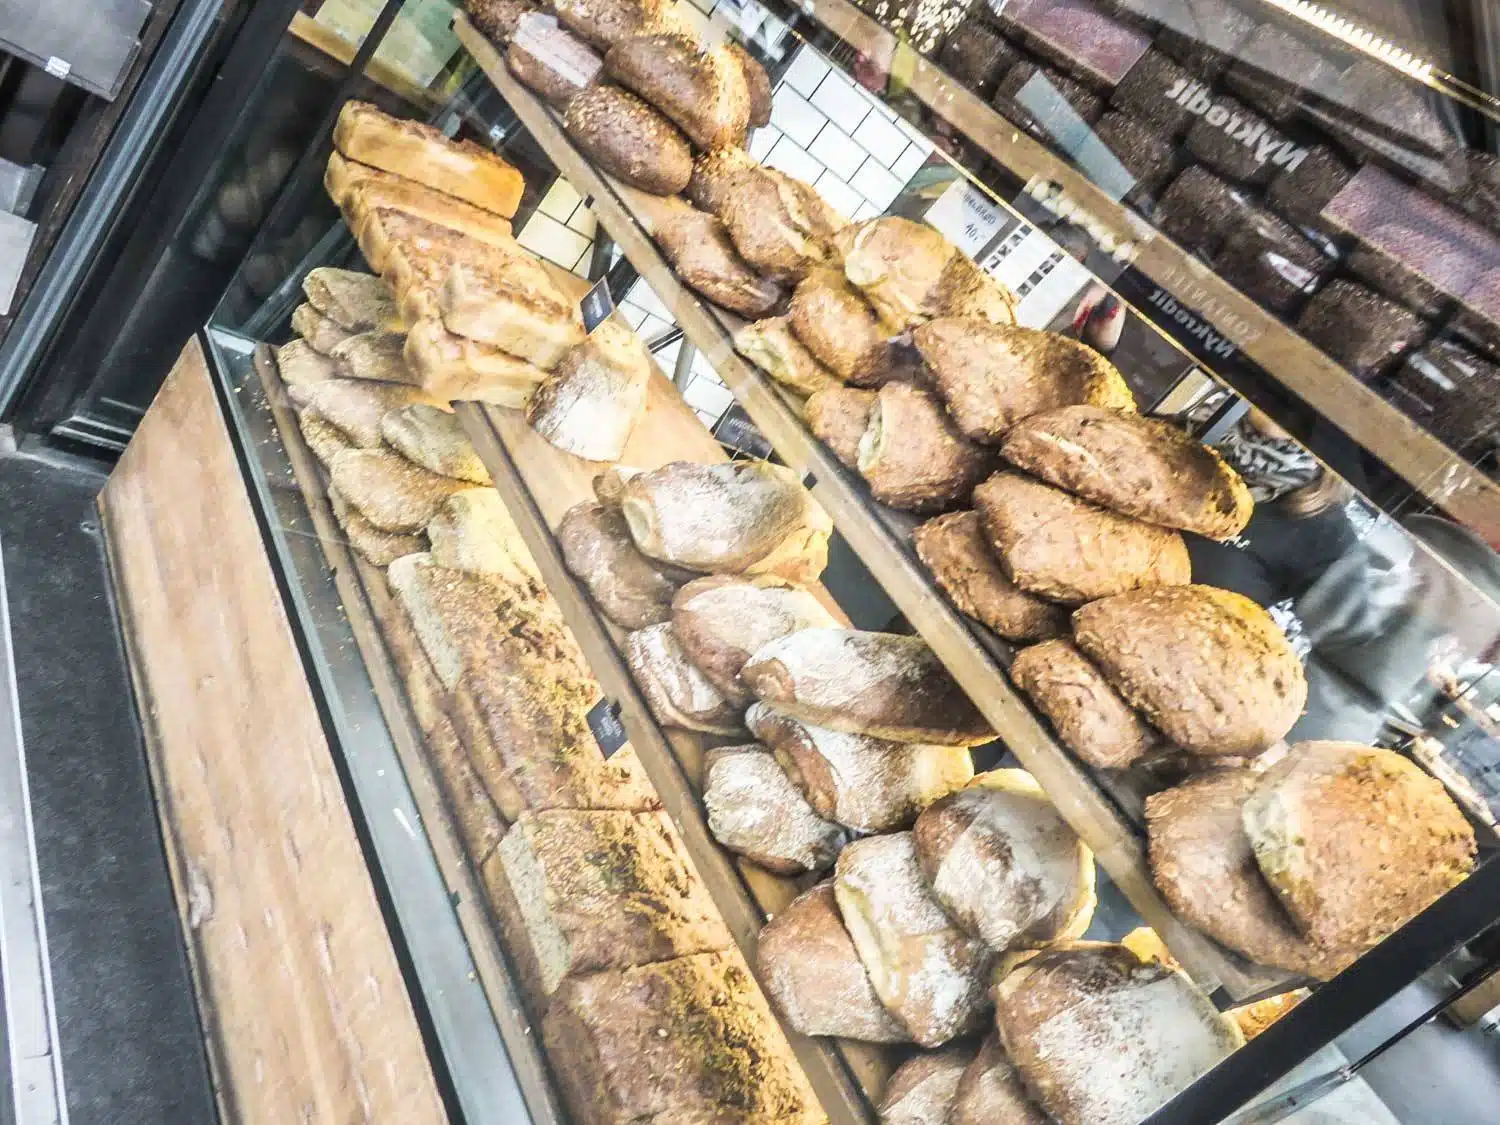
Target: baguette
x: 703, y: 93
x: 914, y: 457
x: 631, y: 589
x: 378, y: 547
x: 839, y: 417
x: 590, y: 404
x: 706, y: 261
x: 356, y: 407
x: 879, y: 684
x: 357, y: 190
x: 679, y: 695
x: 421, y: 153
x: 325, y: 441
x: 318, y: 332
x: 990, y: 1091
x: 754, y: 811
x: 299, y: 363
x: 923, y: 1088
x: 389, y: 491
x: 953, y: 548
x: 456, y: 369
x: 780, y: 226
x: 373, y: 356
x: 629, y: 140
x: 472, y: 532
x: 356, y: 302
x: 1088, y: 715
x: 770, y: 345
x: 435, y: 440
x: 550, y: 60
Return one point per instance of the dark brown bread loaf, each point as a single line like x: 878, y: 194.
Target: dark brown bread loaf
x: 713, y: 173
x: 1088, y: 715
x: 631, y: 589
x: 604, y: 23
x: 955, y: 551
x: 497, y: 19
x: 1208, y: 668
x: 839, y: 417
x: 758, y: 82
x: 703, y: 93
x: 842, y: 330
x: 629, y: 139
x: 914, y: 457
x: 990, y: 1091
x: 699, y: 249
x: 923, y: 1088
x: 550, y: 60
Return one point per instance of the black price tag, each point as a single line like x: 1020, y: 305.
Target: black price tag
x: 597, y: 305
x: 735, y: 431
x: 604, y: 721
x: 809, y: 480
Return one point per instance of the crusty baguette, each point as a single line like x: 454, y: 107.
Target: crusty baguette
x: 813, y: 974
x: 629, y: 140
x: 356, y: 302
x: 914, y: 457
x: 461, y: 370
x: 990, y: 1091
x: 779, y: 225
x: 1143, y: 467
x: 706, y: 261
x: 1209, y: 668
x: 551, y: 60
x: 375, y: 356
x: 954, y: 549
x: 754, y: 810
x: 679, y: 695
x: 703, y: 93
x: 839, y: 417
x: 474, y: 533
x: 592, y: 400
x: 319, y: 332
x: 356, y: 406
x: 326, y: 441
x: 879, y: 684
x: 378, y: 547
x: 421, y: 153
x: 923, y: 1088
x: 770, y: 345
x: 299, y: 363
x: 1087, y: 713
x: 1056, y: 546
x: 631, y: 589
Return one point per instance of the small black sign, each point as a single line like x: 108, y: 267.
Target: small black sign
x: 736, y: 432
x: 597, y: 305
x: 604, y: 721
x: 809, y: 480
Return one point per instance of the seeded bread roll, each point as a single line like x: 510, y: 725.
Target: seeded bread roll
x: 964, y: 290
x: 318, y: 332
x: 1202, y: 861
x: 356, y: 302
x: 497, y: 19
x: 703, y: 93
x: 631, y: 589
x: 629, y: 140
x: 457, y: 369
x: 990, y: 1091
x: 839, y: 417
x: 923, y: 1088
x: 1144, y: 467
x: 1355, y: 841
x: 1209, y: 668
x: 755, y: 811
x: 375, y: 356
x: 770, y: 345
x: 879, y: 684
x: 867, y: 784
x: 814, y: 977
x: 1101, y: 1037
x: 604, y: 23
x: 325, y: 441
x: 929, y: 975
x: 842, y: 331
x: 590, y: 404
x: 379, y: 548
x: 780, y: 226
x: 914, y: 457
x: 474, y: 533
x: 389, y: 491
x: 705, y: 260
x: 757, y: 82
x: 1004, y: 865
x: 679, y: 694
x: 953, y: 548
x: 723, y: 620
x: 896, y: 263
x: 1059, y: 547
x: 435, y: 440
x: 1088, y: 715
x: 991, y: 376
x: 713, y: 173
x: 545, y: 57
x: 299, y: 363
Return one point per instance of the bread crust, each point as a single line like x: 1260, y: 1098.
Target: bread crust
x: 358, y: 190
x: 454, y: 368
x: 629, y: 139
x: 706, y: 261
x: 1087, y: 713
x: 474, y: 533
x: 923, y: 1088
x: 325, y: 440
x: 954, y: 550
x: 990, y: 1091
x: 771, y: 346
x: 839, y: 417
x: 754, y: 811
x: 630, y: 588
x: 703, y: 93
x: 914, y: 457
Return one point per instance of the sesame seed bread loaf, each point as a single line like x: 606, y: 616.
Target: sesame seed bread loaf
x: 914, y: 457
x: 551, y: 60
x: 356, y: 406
x: 954, y: 549
x: 631, y: 589
x: 780, y: 226
x: 754, y: 811
x: 325, y: 441
x: 706, y: 261
x: 604, y: 23
x: 379, y: 548
x: 896, y: 264
x: 841, y: 329
x: 629, y: 140
x: 1087, y: 713
x: 703, y: 93
x: 497, y: 19
x: 839, y: 417
x: 757, y: 82
x: 923, y: 1088
x: 592, y: 400
x: 713, y: 174
x: 990, y: 1091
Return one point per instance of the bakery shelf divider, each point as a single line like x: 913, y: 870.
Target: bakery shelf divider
x: 626, y: 215
x: 1397, y: 441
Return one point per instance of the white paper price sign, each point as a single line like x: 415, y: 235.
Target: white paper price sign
x: 967, y: 216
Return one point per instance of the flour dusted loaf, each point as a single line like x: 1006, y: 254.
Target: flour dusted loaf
x: 435, y: 440
x: 629, y: 140
x: 590, y: 404
x: 318, y: 332
x: 1103, y: 1038
x: 379, y: 548
x: 1208, y: 667
x: 814, y: 977
x: 706, y: 261
x: 1004, y: 865
x: 631, y: 589
x: 879, y: 684
x: 923, y: 1088
x: 839, y: 417
x: 742, y: 516
x: 993, y: 375
x: 680, y: 1041
x: 781, y: 226
x: 1143, y: 467
x: 550, y: 59
x: 864, y: 783
x: 581, y: 891
x: 356, y: 302
x: 927, y: 972
x: 755, y: 811
x: 723, y: 620
x: 954, y: 549
x: 389, y: 491
x: 376, y: 356
x: 354, y: 407
x: 1087, y: 713
x: 1355, y: 840
x: 771, y: 346
x: 990, y: 1091
x: 1056, y: 546
x: 679, y: 695
x: 457, y: 369
x: 474, y: 533
x: 914, y: 457
x: 1202, y: 862
x: 420, y: 152
x: 703, y: 93
x: 840, y: 328
x: 607, y: 22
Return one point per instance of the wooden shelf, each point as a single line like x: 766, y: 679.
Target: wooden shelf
x: 1397, y: 441
x: 627, y: 216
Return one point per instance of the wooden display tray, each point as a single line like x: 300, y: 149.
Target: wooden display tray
x: 1389, y: 435
x: 627, y: 216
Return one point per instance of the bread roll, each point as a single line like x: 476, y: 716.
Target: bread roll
x: 358, y: 190
x: 318, y: 332
x: 299, y: 363
x: 713, y: 175
x: 953, y: 548
x: 356, y: 302
x: 927, y: 973
x: 629, y: 140
x: 722, y: 621
x: 584, y: 891
x: 1102, y: 1038
x: 923, y: 1088
x: 631, y: 589
x: 375, y: 356
x: 1004, y: 865
x: 965, y: 290
x: 1059, y: 547
x: 879, y: 684
x: 729, y: 517
x: 678, y: 694
x: 1355, y: 841
x: 550, y: 60
x: 420, y: 152
x: 993, y: 375
x: 1143, y: 467
x: 389, y: 491
x: 706, y: 261
x: 779, y: 225
x: 990, y: 1091
x: 508, y: 298
x: 1202, y: 861
x: 868, y: 784
x: 325, y: 441
x: 681, y: 1041
x: 356, y: 407
x: 913, y: 455
x: 462, y: 370
x: 754, y: 811
x: 590, y: 404
x: 1209, y: 668
x: 770, y: 345
x: 473, y: 532
x: 814, y: 977
x: 604, y: 23
x: 379, y: 548
x: 435, y: 440
x: 757, y: 82
x: 842, y: 331
x: 896, y: 263
x: 497, y: 19
x: 703, y: 93
x: 839, y: 417
x: 1088, y: 715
